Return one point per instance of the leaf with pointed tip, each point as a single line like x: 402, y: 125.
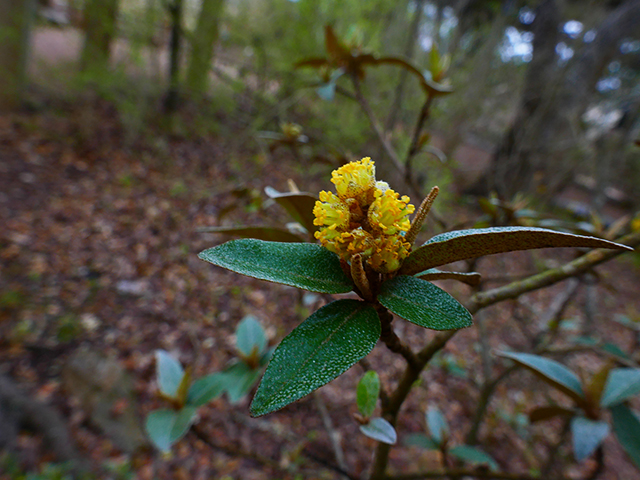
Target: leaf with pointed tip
x: 302, y: 265
x: 550, y: 411
x: 552, y: 372
x: 471, y: 278
x: 270, y: 234
x: 381, y: 430
x: 626, y: 425
x: 622, y: 383
x: 422, y: 441
x: 464, y: 244
x: 424, y: 304
x: 335, y: 49
x: 205, y: 389
x: 165, y: 427
x: 320, y: 349
x: 249, y: 336
x: 299, y: 205
x: 474, y: 456
x: 586, y: 435
x: 170, y: 373
x: 238, y: 379
x: 367, y: 393
x: 437, y: 425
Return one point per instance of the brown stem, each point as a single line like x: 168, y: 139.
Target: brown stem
x: 391, y: 340
x: 415, y: 141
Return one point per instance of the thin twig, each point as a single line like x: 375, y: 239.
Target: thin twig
x: 456, y: 473
x: 415, y: 141
x: 334, y: 435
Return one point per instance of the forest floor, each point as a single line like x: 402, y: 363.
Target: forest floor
x: 99, y: 268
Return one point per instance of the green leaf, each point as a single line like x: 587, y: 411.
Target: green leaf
x: 166, y: 427
x: 367, y: 393
x: 622, y: 383
x: 550, y: 411
x: 320, y: 349
x: 422, y: 441
x: 437, y: 425
x: 238, y: 379
x: 424, y: 304
x: 302, y: 265
x: 299, y: 205
x: 261, y: 233
x: 205, y: 389
x: 627, y: 428
x: 464, y: 244
x: 170, y: 373
x: 381, y: 430
x: 472, y: 278
x: 586, y: 435
x: 474, y: 455
x: 552, y: 372
x: 249, y: 336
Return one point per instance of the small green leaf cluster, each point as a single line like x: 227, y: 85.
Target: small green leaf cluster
x: 609, y: 389
x: 166, y: 426
x: 367, y: 393
x: 438, y: 437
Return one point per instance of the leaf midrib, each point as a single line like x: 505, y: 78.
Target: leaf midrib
x: 313, y: 354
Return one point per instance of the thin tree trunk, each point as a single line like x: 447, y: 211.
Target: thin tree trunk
x: 100, y: 28
x: 15, y: 21
x: 202, y: 45
x: 173, y: 94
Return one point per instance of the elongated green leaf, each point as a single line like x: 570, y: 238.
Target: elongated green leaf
x: 472, y: 278
x: 424, y: 304
x: 238, y: 379
x: 586, y: 435
x: 474, y: 455
x: 381, y: 430
x: 165, y: 427
x: 270, y: 234
x: 299, y: 205
x: 320, y: 349
x: 552, y: 372
x: 550, y: 411
x: 302, y: 265
x: 170, y: 373
x: 422, y: 441
x: 158, y: 426
x: 627, y: 428
x: 367, y: 393
x: 249, y: 336
x: 464, y: 244
x: 205, y: 389
x: 622, y: 383
x: 437, y: 425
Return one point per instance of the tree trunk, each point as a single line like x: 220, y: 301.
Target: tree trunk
x: 202, y: 45
x: 100, y: 29
x: 538, y: 151
x: 173, y: 94
x: 512, y: 166
x: 15, y: 20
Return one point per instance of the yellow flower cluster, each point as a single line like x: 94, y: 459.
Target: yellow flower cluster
x: 365, y: 217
